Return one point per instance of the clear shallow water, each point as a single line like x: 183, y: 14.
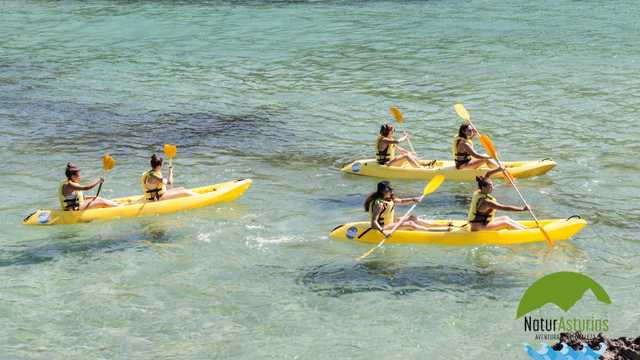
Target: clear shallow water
x: 285, y: 93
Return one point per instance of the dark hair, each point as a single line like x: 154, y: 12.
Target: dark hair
x: 482, y: 181
x: 386, y: 129
x: 155, y: 161
x: 462, y: 132
x: 71, y: 171
x: 378, y: 194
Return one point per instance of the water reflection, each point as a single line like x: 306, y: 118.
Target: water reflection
x: 340, y: 280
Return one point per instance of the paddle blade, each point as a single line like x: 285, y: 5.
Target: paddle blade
x: 546, y: 235
x: 108, y: 162
x: 433, y: 185
x: 170, y: 150
x: 369, y: 252
x: 397, y: 114
x: 462, y: 112
x: 488, y: 144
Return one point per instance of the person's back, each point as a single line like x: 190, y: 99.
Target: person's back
x: 152, y: 182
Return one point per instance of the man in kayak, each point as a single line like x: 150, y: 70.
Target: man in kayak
x: 71, y: 196
x: 483, y: 207
x: 464, y: 154
x: 386, y: 146
x: 381, y: 205
x: 154, y: 185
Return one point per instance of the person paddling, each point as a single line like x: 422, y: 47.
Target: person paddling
x: 71, y: 196
x: 154, y: 185
x: 464, y: 154
x: 483, y: 207
x: 381, y: 205
x: 386, y: 146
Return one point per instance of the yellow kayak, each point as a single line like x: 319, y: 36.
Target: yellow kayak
x: 370, y: 167
x: 135, y: 206
x: 459, y: 235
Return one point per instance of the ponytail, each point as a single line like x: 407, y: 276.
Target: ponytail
x: 155, y: 161
x: 462, y: 131
x: 71, y: 170
x: 482, y: 181
x: 371, y: 199
x: 386, y: 129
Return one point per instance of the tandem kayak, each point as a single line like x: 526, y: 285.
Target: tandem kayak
x: 370, y: 167
x: 558, y: 229
x: 136, y: 206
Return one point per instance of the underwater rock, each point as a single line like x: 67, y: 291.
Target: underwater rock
x: 622, y: 348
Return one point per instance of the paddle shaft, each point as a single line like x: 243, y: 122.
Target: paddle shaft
x: 104, y: 175
x: 397, y: 114
x: 431, y: 187
x: 525, y: 203
x: 171, y: 170
x: 509, y: 177
x: 98, y: 192
x: 474, y: 127
x: 408, y: 140
x: 505, y: 172
x: 402, y: 219
x: 544, y: 232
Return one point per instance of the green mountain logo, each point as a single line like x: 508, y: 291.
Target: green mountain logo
x: 564, y: 289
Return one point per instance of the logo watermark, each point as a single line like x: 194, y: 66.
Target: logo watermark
x: 563, y: 289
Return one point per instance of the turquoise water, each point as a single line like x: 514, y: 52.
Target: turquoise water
x: 285, y: 93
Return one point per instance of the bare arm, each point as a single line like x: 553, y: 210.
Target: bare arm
x: 492, y: 172
x: 387, y: 140
x: 470, y: 150
x: 413, y: 200
x: 377, y: 209
x: 78, y: 187
x: 496, y: 205
x: 170, y: 178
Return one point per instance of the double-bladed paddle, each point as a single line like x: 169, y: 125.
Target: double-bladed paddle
x: 397, y: 114
x: 491, y: 149
x: 464, y: 115
x: 108, y: 163
x: 170, y: 150
x: 432, y: 186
